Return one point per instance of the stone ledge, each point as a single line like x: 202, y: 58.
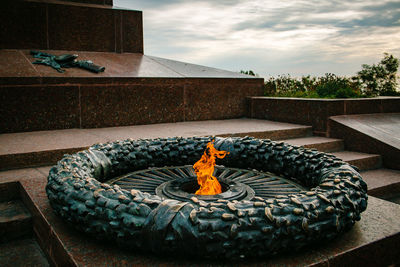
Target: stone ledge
x: 316, y: 112
x: 17, y: 69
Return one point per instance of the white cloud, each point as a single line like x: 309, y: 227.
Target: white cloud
x: 297, y: 37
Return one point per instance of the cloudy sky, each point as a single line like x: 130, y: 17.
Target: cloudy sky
x: 271, y: 37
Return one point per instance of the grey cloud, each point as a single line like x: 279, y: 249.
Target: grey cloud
x: 342, y: 50
x: 284, y: 19
x: 163, y: 3
x: 388, y: 6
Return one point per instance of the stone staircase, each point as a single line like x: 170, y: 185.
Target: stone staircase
x: 18, y: 246
x: 23, y: 154
x: 382, y: 182
x: 33, y: 149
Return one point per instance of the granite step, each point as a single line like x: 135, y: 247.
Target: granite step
x: 383, y: 183
x: 370, y: 133
x: 320, y: 143
x: 362, y: 161
x: 22, y: 252
x: 40, y: 148
x: 15, y: 220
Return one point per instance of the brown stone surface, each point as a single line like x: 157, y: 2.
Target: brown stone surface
x: 132, y: 31
x: 16, y: 69
x: 120, y: 68
x: 275, y: 134
x: 78, y: 25
x: 394, y: 199
x: 46, y: 147
x: 9, y: 191
x: 218, y: 98
x: 134, y: 89
x: 29, y: 108
x: 195, y: 71
x: 380, y: 131
x: 316, y: 112
x: 83, y: 28
x: 371, y: 242
x: 390, y: 104
x: 362, y: 161
x: 99, y: 2
x: 281, y: 109
x: 33, y: 197
x: 23, y: 25
x: 298, y: 110
x: 363, y: 105
x: 320, y: 143
x: 321, y: 110
x: 382, y: 183
x: 15, y: 220
x: 378, y: 228
x: 106, y: 106
x: 23, y: 252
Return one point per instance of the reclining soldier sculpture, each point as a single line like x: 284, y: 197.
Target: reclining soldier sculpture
x: 65, y: 61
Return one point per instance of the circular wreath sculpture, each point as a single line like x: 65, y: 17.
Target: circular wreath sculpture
x: 231, y: 229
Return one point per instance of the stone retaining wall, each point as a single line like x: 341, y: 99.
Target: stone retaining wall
x: 316, y: 112
x: 132, y: 101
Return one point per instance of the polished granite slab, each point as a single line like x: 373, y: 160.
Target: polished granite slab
x: 17, y: 68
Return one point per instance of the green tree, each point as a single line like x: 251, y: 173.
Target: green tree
x: 379, y: 79
x: 248, y: 72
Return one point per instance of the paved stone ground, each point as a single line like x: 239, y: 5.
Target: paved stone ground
x: 61, y: 139
x: 370, y: 242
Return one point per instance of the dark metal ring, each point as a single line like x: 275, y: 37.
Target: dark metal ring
x: 245, y: 228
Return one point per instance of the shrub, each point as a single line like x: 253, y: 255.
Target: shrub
x: 328, y: 86
x: 285, y: 85
x: 332, y: 86
x: 379, y: 79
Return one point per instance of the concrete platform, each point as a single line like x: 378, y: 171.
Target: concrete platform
x: 47, y: 147
x: 371, y: 242
x: 380, y: 131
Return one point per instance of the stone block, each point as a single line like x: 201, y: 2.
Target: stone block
x: 81, y: 28
x: 210, y: 99
x: 117, y: 105
x: 30, y: 108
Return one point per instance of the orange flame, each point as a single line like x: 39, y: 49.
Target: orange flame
x: 204, y: 169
